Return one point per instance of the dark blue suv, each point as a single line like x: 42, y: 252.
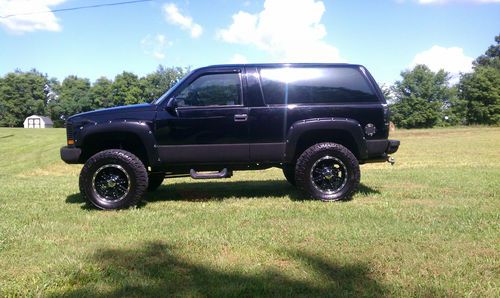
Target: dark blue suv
x: 317, y: 122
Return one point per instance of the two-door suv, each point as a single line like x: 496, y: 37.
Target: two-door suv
x: 317, y: 122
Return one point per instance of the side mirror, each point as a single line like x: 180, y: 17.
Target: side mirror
x: 172, y: 106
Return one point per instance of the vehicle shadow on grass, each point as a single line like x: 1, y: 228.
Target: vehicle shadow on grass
x: 156, y: 269
x: 219, y: 191
x: 216, y: 191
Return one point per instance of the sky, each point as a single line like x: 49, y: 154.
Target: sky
x: 386, y: 36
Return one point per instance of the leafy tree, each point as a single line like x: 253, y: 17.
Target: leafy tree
x: 421, y: 98
x: 2, y: 105
x: 74, y: 96
x: 387, y: 92
x: 481, y: 89
x: 455, y: 113
x: 101, y: 93
x: 21, y: 95
x: 158, y: 82
x: 52, y: 107
x: 491, y: 56
x: 127, y: 89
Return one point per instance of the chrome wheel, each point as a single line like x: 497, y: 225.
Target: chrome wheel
x: 111, y: 183
x: 328, y: 175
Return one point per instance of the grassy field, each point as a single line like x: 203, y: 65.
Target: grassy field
x: 427, y: 226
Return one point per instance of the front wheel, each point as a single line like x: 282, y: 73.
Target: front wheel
x: 327, y: 171
x: 113, y: 179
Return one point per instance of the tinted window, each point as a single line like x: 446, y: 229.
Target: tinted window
x: 315, y: 85
x: 212, y: 90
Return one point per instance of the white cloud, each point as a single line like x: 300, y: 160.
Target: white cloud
x: 288, y: 30
x: 19, y: 16
x: 174, y: 16
x: 155, y: 46
x: 452, y: 60
x: 238, y: 59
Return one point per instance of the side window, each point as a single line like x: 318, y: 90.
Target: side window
x: 212, y: 90
x: 315, y: 85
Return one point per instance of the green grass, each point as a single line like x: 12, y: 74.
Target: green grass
x: 428, y: 226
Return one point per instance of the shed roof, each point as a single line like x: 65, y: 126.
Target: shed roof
x: 47, y: 120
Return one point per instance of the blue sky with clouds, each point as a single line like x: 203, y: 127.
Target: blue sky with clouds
x: 387, y: 36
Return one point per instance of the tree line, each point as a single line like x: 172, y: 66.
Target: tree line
x: 421, y: 99
x: 27, y: 93
x: 424, y: 99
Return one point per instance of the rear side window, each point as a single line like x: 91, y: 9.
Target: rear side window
x: 315, y: 85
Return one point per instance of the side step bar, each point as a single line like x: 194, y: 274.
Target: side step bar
x: 225, y: 173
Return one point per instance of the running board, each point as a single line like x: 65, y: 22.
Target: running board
x: 225, y: 173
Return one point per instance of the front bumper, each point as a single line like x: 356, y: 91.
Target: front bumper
x: 71, y: 155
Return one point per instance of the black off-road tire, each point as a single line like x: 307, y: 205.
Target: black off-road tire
x: 289, y: 172
x: 328, y: 172
x: 110, y: 172
x: 155, y: 180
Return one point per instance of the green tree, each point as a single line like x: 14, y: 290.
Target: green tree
x: 491, y: 56
x: 421, y: 98
x: 21, y: 95
x: 127, y: 89
x: 101, y: 93
x: 53, y: 108
x: 158, y: 82
x: 481, y: 89
x: 74, y: 96
x: 387, y: 92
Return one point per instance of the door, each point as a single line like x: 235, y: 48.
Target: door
x: 206, y: 122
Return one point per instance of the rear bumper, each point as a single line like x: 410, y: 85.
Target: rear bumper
x: 70, y: 155
x: 379, y: 150
x: 392, y: 147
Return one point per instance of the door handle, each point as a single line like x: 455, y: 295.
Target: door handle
x: 240, y: 117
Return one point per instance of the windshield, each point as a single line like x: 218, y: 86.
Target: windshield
x: 169, y: 92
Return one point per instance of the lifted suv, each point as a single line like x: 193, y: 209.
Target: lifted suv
x: 317, y: 122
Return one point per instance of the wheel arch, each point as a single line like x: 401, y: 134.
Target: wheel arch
x: 304, y: 134
x: 133, y: 136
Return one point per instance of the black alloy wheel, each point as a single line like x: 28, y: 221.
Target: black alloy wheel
x: 111, y: 183
x: 328, y: 172
x: 328, y: 175
x: 113, y: 179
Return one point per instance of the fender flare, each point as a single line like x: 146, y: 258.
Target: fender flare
x: 141, y: 129
x: 299, y: 128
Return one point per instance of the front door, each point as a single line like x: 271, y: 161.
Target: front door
x: 209, y: 123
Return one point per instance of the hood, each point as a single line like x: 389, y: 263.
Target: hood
x: 114, y: 112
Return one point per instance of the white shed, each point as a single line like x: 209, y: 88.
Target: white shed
x: 36, y: 121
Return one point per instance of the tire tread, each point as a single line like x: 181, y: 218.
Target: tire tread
x: 302, y: 169
x: 140, y: 173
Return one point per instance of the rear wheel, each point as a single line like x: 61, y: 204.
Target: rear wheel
x: 113, y: 179
x: 328, y: 171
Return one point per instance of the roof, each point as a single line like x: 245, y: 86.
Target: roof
x: 283, y: 65
x: 47, y: 120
